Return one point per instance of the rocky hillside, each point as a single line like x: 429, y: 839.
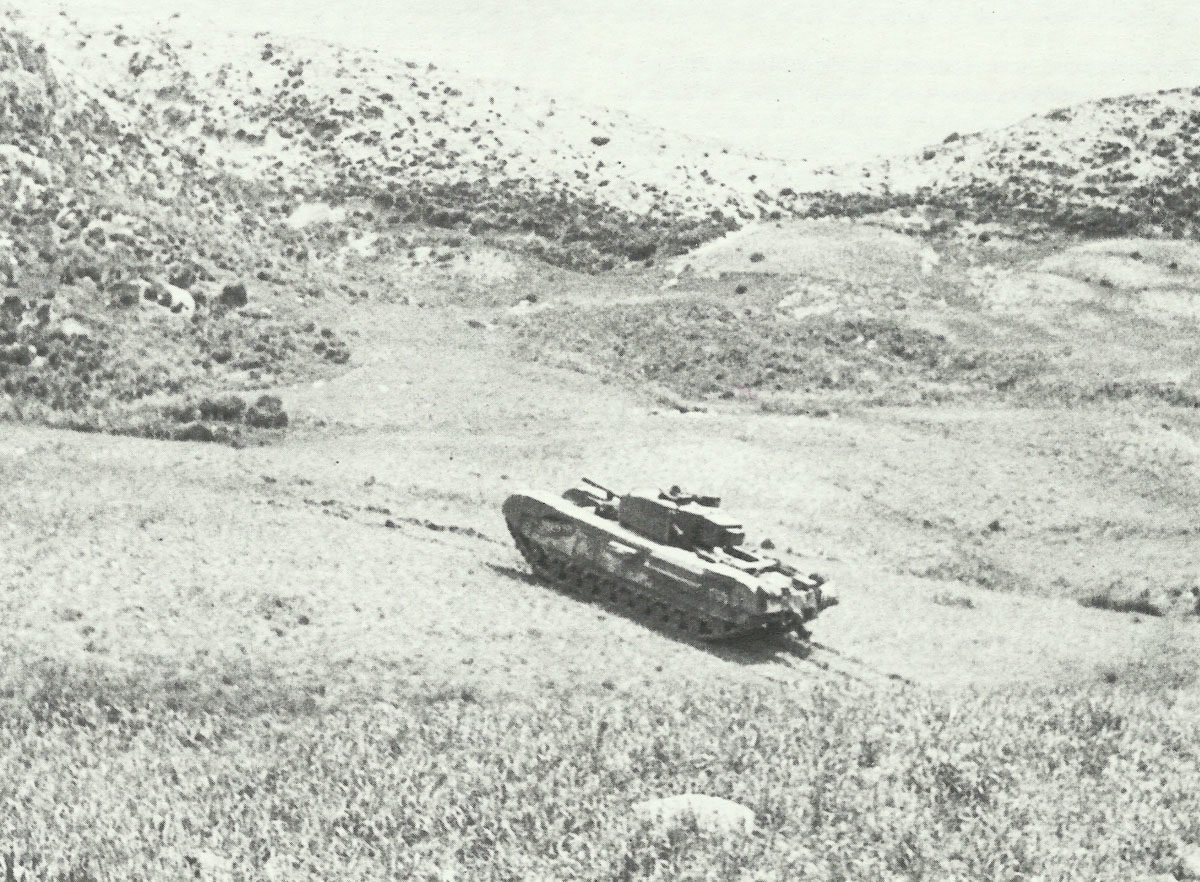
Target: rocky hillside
x: 374, y: 145
x: 178, y: 203
x: 176, y: 200
x: 128, y: 265
x: 1115, y: 167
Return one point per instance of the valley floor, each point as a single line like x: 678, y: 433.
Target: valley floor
x: 156, y: 591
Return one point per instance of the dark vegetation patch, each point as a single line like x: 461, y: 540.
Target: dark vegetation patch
x: 74, y: 359
x: 1026, y: 201
x: 1107, y: 599
x: 706, y: 349
x: 571, y: 230
x: 1170, y: 393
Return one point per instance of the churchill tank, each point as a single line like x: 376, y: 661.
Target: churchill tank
x: 674, y: 558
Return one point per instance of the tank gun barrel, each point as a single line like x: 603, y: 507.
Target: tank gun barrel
x: 609, y: 493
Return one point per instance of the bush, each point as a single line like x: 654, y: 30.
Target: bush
x: 1108, y: 599
x: 227, y: 408
x: 194, y: 432
x: 267, y: 413
x: 233, y: 296
x: 641, y: 249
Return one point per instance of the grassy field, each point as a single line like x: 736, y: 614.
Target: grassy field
x: 120, y: 777
x: 321, y: 658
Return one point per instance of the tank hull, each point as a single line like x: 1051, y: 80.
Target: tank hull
x: 597, y: 559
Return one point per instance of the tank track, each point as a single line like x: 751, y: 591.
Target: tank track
x: 598, y: 586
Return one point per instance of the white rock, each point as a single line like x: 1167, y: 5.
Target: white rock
x: 711, y: 813
x: 179, y: 300
x: 74, y: 328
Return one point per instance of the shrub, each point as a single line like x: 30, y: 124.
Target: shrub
x: 1108, y: 599
x: 267, y: 413
x: 194, y: 432
x: 641, y: 249
x: 945, y: 598
x: 234, y: 296
x: 227, y: 408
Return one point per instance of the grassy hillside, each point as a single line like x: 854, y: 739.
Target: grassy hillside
x: 223, y: 664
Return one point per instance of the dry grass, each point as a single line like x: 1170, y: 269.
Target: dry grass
x: 249, y: 781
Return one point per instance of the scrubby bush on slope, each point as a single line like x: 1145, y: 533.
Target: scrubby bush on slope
x: 708, y: 348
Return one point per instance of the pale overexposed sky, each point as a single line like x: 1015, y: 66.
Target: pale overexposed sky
x: 828, y: 81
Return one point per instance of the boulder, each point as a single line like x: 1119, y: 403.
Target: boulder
x: 176, y: 299
x: 72, y: 327
x: 711, y: 814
